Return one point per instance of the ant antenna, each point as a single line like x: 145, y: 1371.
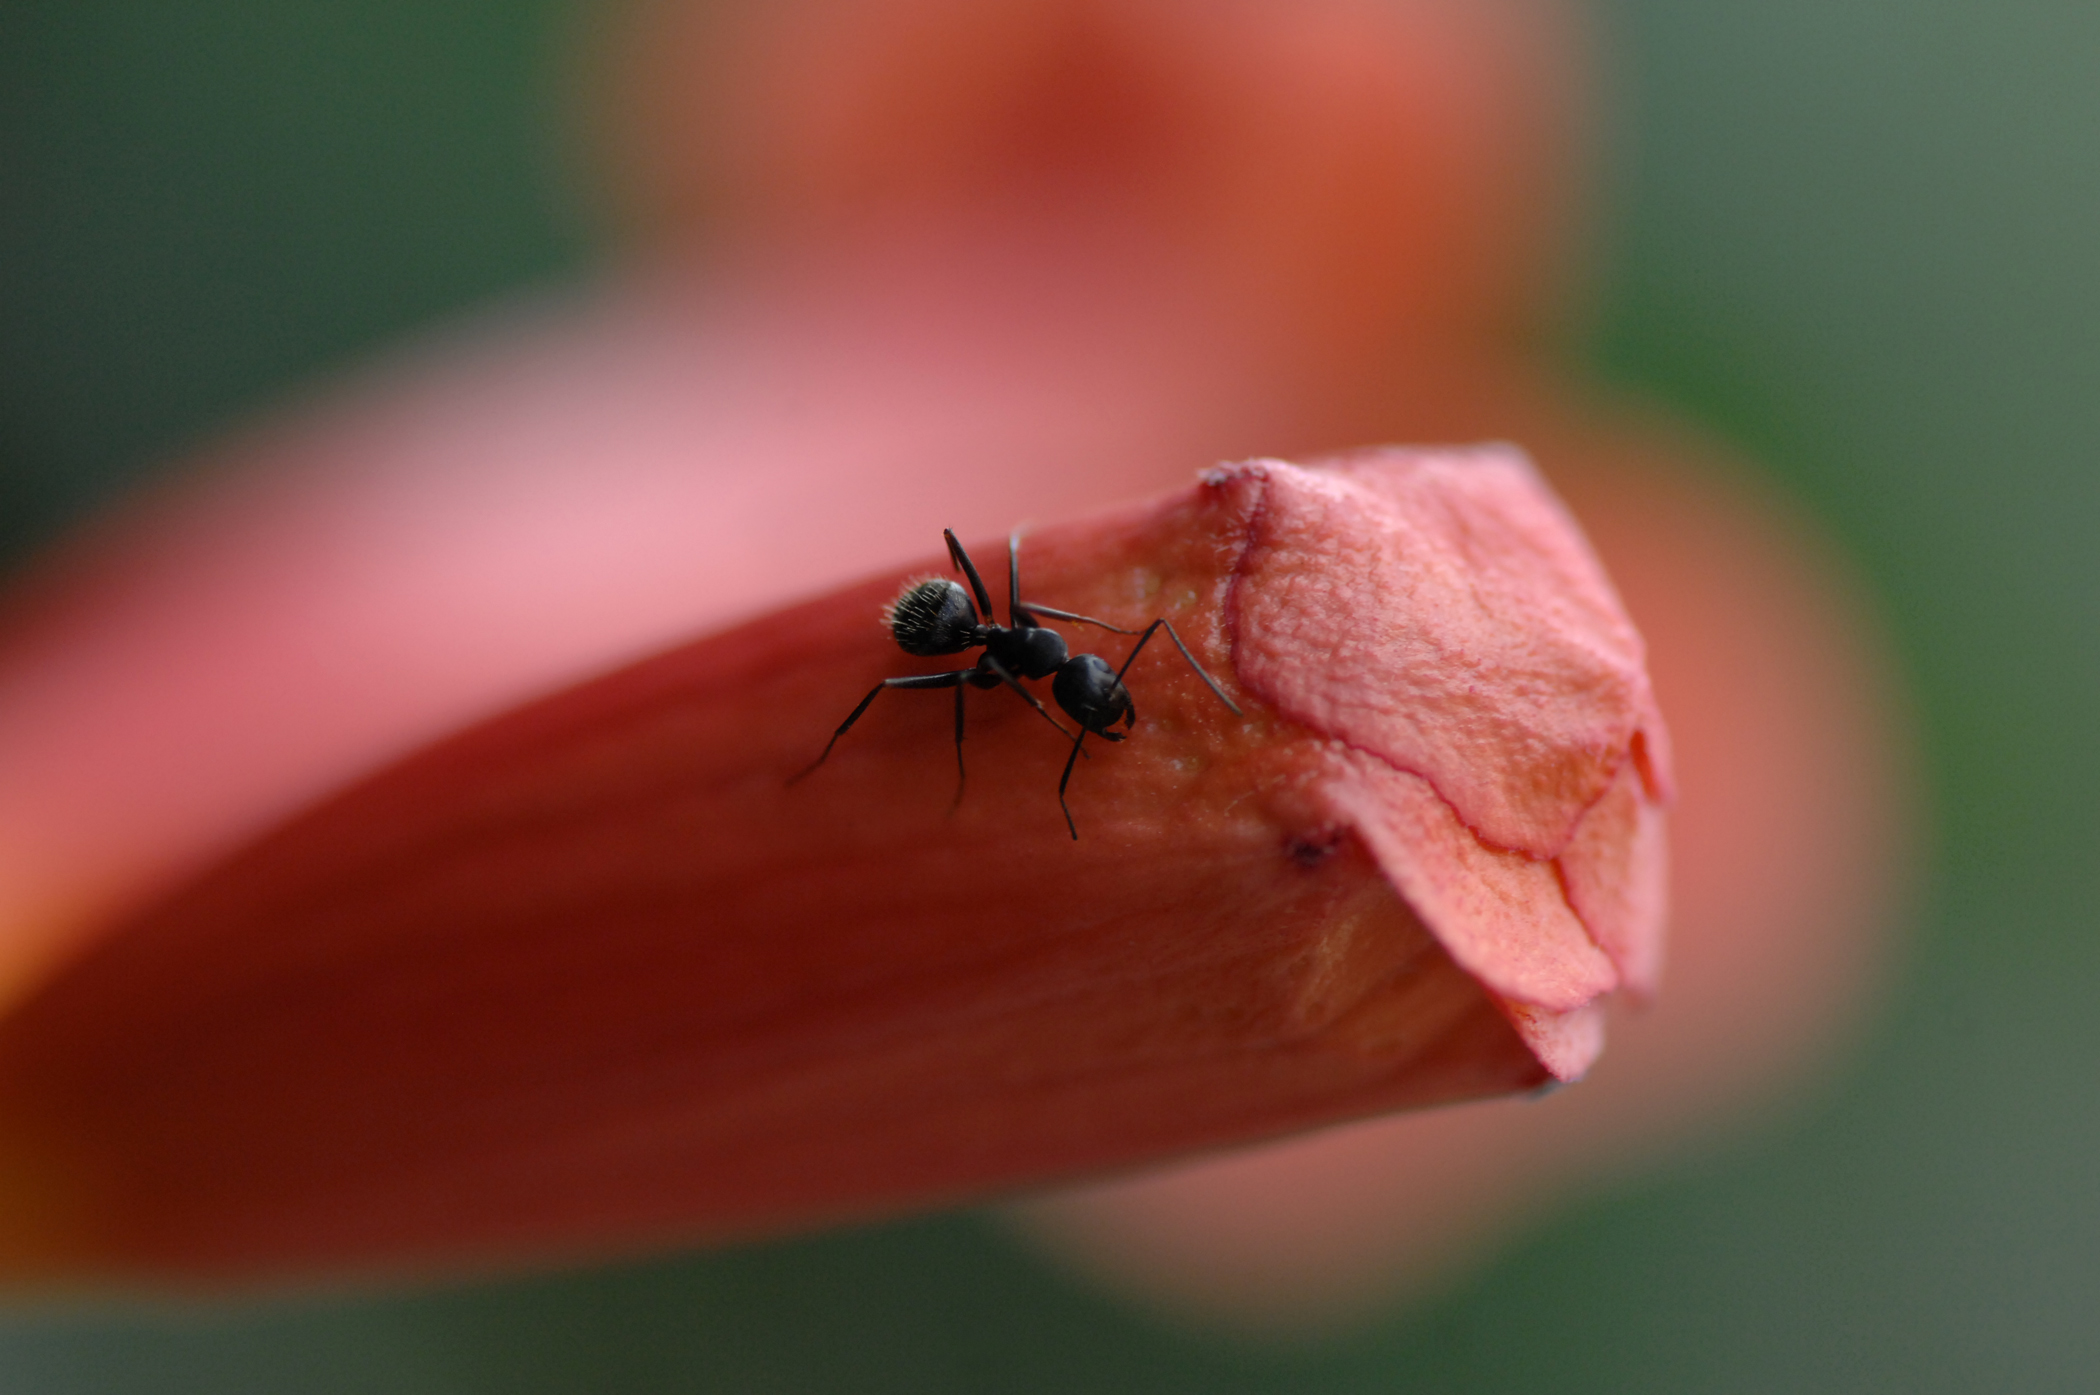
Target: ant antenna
x: 969, y: 569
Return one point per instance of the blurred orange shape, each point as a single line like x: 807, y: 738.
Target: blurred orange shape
x: 966, y: 264
x: 1337, y: 182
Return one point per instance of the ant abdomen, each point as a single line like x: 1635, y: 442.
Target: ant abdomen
x: 933, y: 616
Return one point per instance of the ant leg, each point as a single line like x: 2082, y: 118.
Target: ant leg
x: 1020, y: 614
x: 1208, y: 681
x: 1011, y: 681
x: 999, y: 671
x: 969, y: 569
x: 1070, y: 761
x: 1013, y: 578
x: 1056, y: 614
x: 922, y: 680
x: 961, y: 775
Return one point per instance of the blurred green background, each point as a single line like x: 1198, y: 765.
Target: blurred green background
x: 1861, y: 237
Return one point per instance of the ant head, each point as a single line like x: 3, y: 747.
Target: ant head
x: 933, y: 616
x: 1087, y: 689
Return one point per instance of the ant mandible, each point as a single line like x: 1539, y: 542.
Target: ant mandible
x: 935, y: 616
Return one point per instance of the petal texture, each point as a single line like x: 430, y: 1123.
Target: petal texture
x: 593, y: 977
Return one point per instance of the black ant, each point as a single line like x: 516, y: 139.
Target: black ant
x: 935, y: 616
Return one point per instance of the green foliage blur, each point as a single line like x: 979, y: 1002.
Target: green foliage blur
x: 1861, y: 238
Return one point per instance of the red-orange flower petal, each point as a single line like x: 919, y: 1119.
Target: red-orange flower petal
x: 592, y: 977
x: 1459, y: 639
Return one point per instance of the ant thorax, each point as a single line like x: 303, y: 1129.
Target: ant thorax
x: 1030, y: 650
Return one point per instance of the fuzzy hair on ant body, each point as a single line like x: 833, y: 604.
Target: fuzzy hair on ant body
x: 937, y: 616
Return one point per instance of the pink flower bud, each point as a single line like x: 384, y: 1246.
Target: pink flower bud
x: 593, y: 976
